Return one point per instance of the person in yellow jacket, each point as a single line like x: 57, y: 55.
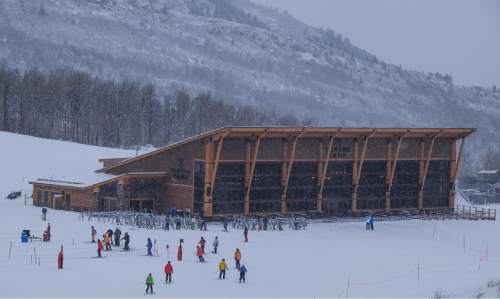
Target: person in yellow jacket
x: 222, y: 268
x: 107, y: 242
x: 237, y: 258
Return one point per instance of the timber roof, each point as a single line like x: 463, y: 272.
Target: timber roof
x: 305, y: 132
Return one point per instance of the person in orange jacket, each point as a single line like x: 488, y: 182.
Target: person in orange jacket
x: 107, y: 242
x: 237, y: 258
x: 100, y: 247
x: 199, y: 253
x: 168, y: 272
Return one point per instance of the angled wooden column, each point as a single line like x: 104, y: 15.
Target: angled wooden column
x: 388, y: 169
x: 289, y: 170
x: 220, y: 144
x: 354, y: 199
x: 319, y: 204
x: 454, y: 170
x: 248, y: 165
x: 393, y: 172
x: 248, y: 186
x: 95, y: 198
x: 122, y: 194
x: 284, y: 168
x: 360, y: 169
x: 421, y: 167
x: 424, y: 176
x: 319, y: 174
x: 207, y: 201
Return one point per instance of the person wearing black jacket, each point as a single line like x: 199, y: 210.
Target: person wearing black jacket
x: 118, y: 234
x: 126, y: 237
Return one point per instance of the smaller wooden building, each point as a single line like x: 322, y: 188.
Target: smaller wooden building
x: 247, y: 170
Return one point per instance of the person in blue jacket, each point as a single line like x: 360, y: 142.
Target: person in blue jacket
x: 243, y: 271
x: 369, y: 222
x: 149, y: 245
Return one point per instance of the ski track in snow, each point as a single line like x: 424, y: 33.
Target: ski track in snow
x: 317, y: 262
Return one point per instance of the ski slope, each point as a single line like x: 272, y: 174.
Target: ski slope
x: 399, y: 259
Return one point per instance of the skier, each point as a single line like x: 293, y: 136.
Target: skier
x: 118, y: 234
x: 93, y: 232
x: 225, y: 225
x: 44, y: 214
x: 179, y: 250
x: 167, y: 221
x: 60, y: 259
x: 222, y: 269
x: 126, y: 237
x: 168, y: 272
x: 149, y: 245
x: 245, y: 233
x: 177, y: 222
x: 110, y: 235
x: 203, y: 224
x: 369, y: 223
x: 215, y: 244
x: 46, y: 234
x: 99, y: 247
x: 237, y: 258
x: 243, y: 271
x: 149, y: 283
x: 202, y: 244
x: 265, y: 223
x: 199, y: 253
x: 107, y: 242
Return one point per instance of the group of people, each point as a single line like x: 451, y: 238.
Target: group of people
x: 107, y: 240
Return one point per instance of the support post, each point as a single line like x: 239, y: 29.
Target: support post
x: 95, y: 198
x: 426, y: 168
x: 248, y: 164
x: 360, y: 169
x: 289, y: 170
x: 388, y: 169
x: 393, y: 171
x: 453, y: 175
x: 207, y: 200
x: 252, y: 168
x: 354, y: 197
x: 324, y: 171
x: 121, y: 194
x: 319, y: 175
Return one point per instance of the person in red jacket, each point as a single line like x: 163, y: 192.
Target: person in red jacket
x: 99, y: 247
x: 168, y: 272
x: 199, y: 253
x: 60, y: 259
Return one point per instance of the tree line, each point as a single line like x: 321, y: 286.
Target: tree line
x: 72, y: 105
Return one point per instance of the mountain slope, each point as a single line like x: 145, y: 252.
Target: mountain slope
x: 242, y: 52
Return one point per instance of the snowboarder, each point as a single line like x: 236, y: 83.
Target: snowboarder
x: 222, y: 269
x: 44, y: 214
x: 60, y: 259
x: 369, y: 223
x: 199, y: 253
x: 118, y: 234
x: 126, y: 237
x: 107, y: 242
x: 237, y: 258
x: 179, y: 250
x: 245, y: 233
x: 225, y: 225
x: 168, y: 272
x: 110, y: 235
x: 243, y: 271
x: 202, y: 244
x: 149, y: 283
x: 100, y: 247
x: 203, y: 224
x: 149, y: 245
x: 93, y: 232
x: 215, y: 244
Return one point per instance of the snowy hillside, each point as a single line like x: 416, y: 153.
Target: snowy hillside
x: 398, y: 259
x: 26, y: 158
x: 243, y: 52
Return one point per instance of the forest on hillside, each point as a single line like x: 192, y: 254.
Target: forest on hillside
x: 72, y: 105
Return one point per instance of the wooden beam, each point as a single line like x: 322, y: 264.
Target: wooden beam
x: 451, y: 200
x: 394, y: 163
x: 248, y: 154
x: 290, y: 164
x: 360, y: 166
x: 427, y: 162
x: 254, y: 161
x: 216, y: 164
x: 326, y: 162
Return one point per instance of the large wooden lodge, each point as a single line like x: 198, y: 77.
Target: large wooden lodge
x: 248, y: 170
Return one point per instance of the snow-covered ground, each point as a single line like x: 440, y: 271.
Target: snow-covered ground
x: 399, y: 259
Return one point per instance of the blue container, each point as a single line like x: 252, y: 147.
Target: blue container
x: 24, y: 238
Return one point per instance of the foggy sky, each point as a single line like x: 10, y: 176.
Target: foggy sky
x: 456, y: 37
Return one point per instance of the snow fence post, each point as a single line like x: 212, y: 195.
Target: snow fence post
x: 464, y: 243
x: 348, y: 284
x: 418, y: 271
x: 10, y: 249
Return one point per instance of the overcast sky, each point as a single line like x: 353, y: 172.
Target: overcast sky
x: 456, y: 37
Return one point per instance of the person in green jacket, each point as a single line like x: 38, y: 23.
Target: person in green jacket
x: 149, y: 283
